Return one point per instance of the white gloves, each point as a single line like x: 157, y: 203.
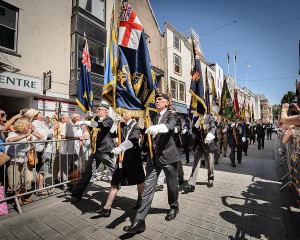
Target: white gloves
x: 155, y: 129
x: 87, y: 123
x: 232, y: 125
x: 114, y: 127
x: 243, y: 139
x: 197, y: 124
x: 209, y: 137
x: 127, y: 144
x: 176, y: 130
x: 224, y: 130
x: 184, y: 131
x: 88, y: 115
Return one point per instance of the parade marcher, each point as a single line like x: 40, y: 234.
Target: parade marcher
x: 236, y: 138
x: 204, y: 132
x: 101, y: 146
x: 254, y: 135
x: 185, y: 141
x: 269, y: 130
x: 218, y: 142
x: 131, y: 172
x: 224, y: 125
x: 247, y: 129
x: 166, y: 158
x: 260, y: 131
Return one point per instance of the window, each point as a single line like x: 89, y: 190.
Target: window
x: 94, y: 7
x: 174, y: 89
x: 176, y: 42
x: 97, y: 55
x: 182, y: 91
x: 177, y: 64
x: 8, y: 27
x: 73, y: 49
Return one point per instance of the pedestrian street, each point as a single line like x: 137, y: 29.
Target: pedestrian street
x: 244, y: 203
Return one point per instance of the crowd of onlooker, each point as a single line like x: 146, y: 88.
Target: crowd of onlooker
x: 17, y: 170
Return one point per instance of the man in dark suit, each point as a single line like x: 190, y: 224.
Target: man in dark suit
x: 204, y: 144
x: 260, y: 131
x: 101, y: 146
x: 166, y: 158
x: 247, y: 129
x: 237, y: 136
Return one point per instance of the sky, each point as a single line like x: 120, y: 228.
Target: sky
x: 264, y: 33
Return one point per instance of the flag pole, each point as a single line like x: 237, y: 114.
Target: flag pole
x: 234, y: 61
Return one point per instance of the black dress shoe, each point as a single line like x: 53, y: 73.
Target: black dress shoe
x: 246, y: 154
x: 210, y: 183
x: 104, y: 212
x: 190, y: 188
x: 137, y: 226
x: 159, y: 188
x: 239, y: 162
x: 172, y: 214
x: 75, y: 197
x: 233, y: 164
x: 224, y: 155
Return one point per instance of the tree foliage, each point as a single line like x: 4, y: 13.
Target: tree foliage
x: 289, y: 97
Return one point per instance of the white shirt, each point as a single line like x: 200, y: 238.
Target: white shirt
x: 160, y: 115
x: 17, y: 152
x: 42, y: 129
x: 68, y: 129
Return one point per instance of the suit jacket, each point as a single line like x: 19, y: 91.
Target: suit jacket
x: 166, y: 151
x: 102, y: 135
x: 240, y: 133
x: 260, y: 130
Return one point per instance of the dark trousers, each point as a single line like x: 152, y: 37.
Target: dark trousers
x: 105, y: 158
x: 245, y: 146
x: 269, y: 134
x: 261, y: 142
x: 152, y: 173
x: 232, y: 153
x: 187, y: 153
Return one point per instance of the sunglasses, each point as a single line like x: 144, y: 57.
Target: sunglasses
x: 3, y: 114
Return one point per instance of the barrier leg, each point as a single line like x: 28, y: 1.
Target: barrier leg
x: 284, y: 186
x: 18, y: 205
x: 281, y: 179
x: 281, y: 162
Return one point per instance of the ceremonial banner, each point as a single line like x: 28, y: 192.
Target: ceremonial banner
x: 85, y: 95
x: 226, y: 108
x: 197, y: 106
x: 236, y: 104
x: 110, y: 76
x: 134, y: 77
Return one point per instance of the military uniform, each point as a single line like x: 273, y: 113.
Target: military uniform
x: 218, y: 142
x: 246, y: 143
x: 269, y: 131
x: 260, y: 131
x: 202, y: 147
x: 224, y: 131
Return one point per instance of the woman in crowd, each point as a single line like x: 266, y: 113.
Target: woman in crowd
x: 20, y: 175
x: 44, y: 134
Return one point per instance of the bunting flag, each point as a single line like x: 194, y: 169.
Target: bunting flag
x: 85, y: 95
x: 109, y: 84
x: 134, y: 86
x: 197, y: 106
x: 226, y: 106
x: 236, y: 104
x: 234, y: 55
x: 207, y: 92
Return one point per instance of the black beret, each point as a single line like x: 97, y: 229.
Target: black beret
x: 165, y: 96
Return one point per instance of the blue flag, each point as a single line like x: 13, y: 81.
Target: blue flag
x: 85, y: 95
x: 197, y: 106
x: 109, y: 83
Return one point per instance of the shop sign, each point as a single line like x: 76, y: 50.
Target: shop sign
x: 20, y: 82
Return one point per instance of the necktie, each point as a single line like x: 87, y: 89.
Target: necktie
x: 158, y: 117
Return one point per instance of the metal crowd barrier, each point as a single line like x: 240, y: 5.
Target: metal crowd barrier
x: 18, y: 176
x: 291, y: 156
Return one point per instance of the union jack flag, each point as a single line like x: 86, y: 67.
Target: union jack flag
x: 126, y: 11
